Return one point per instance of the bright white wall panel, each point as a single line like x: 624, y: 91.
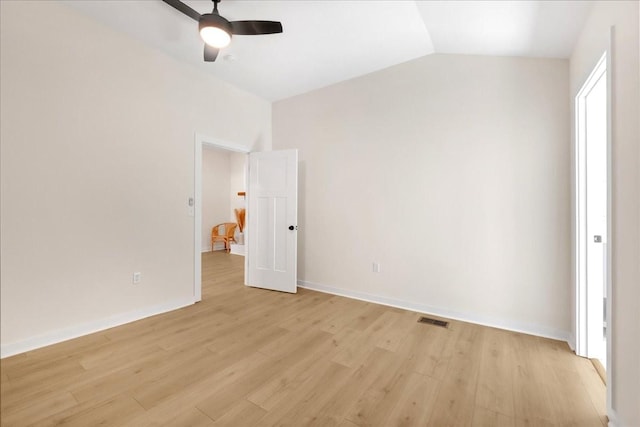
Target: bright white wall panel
x: 216, y: 198
x: 97, y: 167
x: 452, y: 172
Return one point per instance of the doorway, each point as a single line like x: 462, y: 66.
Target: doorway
x: 223, y: 201
x: 592, y: 167
x: 201, y: 242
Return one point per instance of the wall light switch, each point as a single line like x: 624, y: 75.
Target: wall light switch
x: 191, y: 204
x: 376, y: 267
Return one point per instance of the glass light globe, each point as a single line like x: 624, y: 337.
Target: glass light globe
x: 215, y: 37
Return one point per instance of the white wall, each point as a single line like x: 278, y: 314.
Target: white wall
x: 237, y: 181
x: 450, y: 171
x: 625, y: 239
x: 223, y: 176
x: 97, y: 147
x: 216, y: 181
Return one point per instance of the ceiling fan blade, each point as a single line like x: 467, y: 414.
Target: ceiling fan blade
x: 210, y: 53
x: 177, y: 4
x: 252, y: 28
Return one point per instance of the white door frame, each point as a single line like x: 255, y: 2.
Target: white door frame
x: 581, y: 238
x: 201, y: 140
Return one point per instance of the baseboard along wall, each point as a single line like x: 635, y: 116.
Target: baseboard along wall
x: 117, y: 320
x: 522, y: 327
x: 76, y: 331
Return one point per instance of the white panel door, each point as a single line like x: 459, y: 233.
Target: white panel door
x: 596, y: 214
x: 272, y: 217
x: 592, y: 222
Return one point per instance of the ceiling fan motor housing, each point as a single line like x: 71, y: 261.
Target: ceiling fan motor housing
x: 216, y: 31
x: 214, y: 20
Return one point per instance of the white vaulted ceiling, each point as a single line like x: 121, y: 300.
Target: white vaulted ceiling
x: 328, y: 41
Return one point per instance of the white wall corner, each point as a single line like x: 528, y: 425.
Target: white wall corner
x: 572, y: 341
x: 76, y: 331
x: 527, y: 328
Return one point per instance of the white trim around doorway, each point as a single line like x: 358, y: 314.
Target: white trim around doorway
x: 201, y: 140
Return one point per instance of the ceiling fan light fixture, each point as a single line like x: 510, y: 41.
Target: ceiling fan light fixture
x: 215, y: 30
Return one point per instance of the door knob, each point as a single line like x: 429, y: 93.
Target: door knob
x: 597, y: 239
x: 291, y: 227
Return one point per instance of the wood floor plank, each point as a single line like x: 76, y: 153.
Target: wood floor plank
x: 374, y: 406
x: 152, y: 391
x: 61, y: 351
x: 116, y: 355
x: 344, y: 314
x: 531, y: 401
x: 42, y: 371
x: 39, y: 409
x: 201, y: 333
x: 311, y: 317
x: 111, y: 412
x: 346, y: 394
x: 431, y: 348
x: 107, y: 386
x: 382, y: 395
x: 534, y: 422
x: 595, y: 389
x: 456, y: 397
x: 272, y: 392
x: 579, y: 410
x: 251, y: 340
x: 366, y: 341
x: 251, y: 357
x: 400, y: 327
x: 190, y: 417
x: 483, y: 417
x: 416, y: 404
x: 495, y: 378
x: 244, y: 413
x: 367, y: 317
x: 38, y: 384
x: 216, y: 405
x: 5, y: 387
x: 206, y: 386
x: 347, y: 423
x: 324, y: 379
x: 285, y: 343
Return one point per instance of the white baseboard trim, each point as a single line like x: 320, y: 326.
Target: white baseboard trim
x: 572, y: 342
x: 76, y: 331
x: 522, y: 327
x: 613, y: 418
x: 237, y: 249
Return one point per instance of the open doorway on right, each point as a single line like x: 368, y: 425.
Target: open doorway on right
x: 592, y: 217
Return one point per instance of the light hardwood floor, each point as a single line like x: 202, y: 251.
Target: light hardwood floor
x: 250, y: 357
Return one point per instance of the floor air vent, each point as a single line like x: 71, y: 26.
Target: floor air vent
x: 434, y: 322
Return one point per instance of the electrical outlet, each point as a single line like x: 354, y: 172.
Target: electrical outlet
x: 376, y: 267
x: 137, y: 277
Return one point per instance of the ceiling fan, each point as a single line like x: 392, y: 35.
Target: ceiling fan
x: 216, y: 31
